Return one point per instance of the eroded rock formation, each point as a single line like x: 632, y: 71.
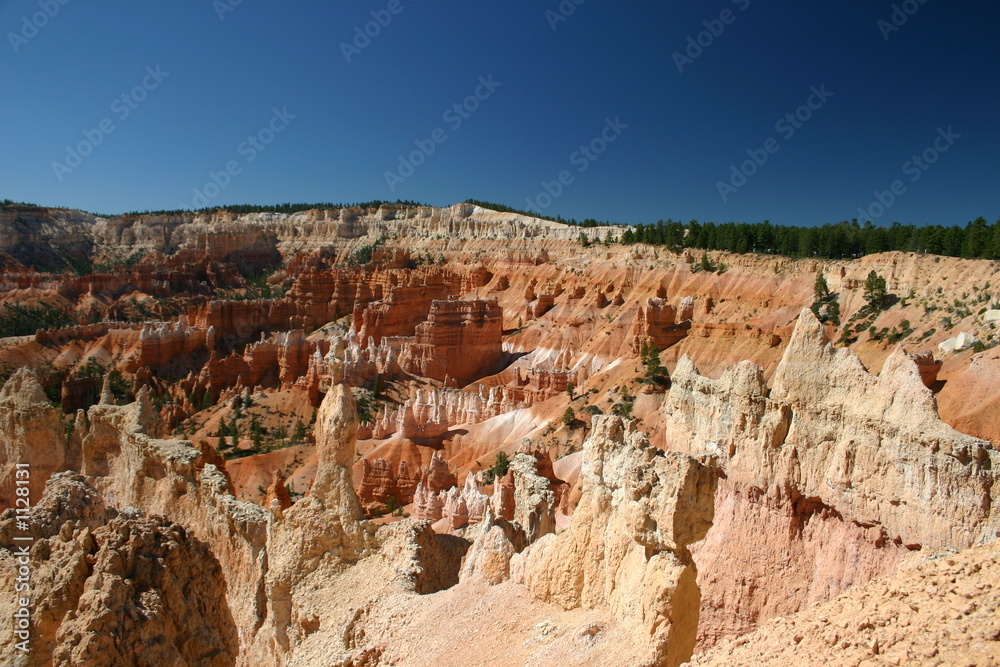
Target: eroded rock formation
x: 155, y: 596
x: 834, y: 472
x: 31, y: 434
x: 658, y: 323
x: 946, y: 611
x: 233, y: 329
x: 627, y: 545
x: 459, y: 341
x: 534, y: 502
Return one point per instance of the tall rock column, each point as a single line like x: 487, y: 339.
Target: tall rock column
x: 534, y: 502
x: 31, y: 433
x: 336, y: 431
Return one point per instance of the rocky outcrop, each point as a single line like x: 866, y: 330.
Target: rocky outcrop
x: 658, y: 323
x: 115, y: 588
x: 336, y: 430
x: 402, y: 308
x: 959, y: 343
x: 437, y: 475
x: 32, y: 435
x: 490, y: 554
x: 62, y: 521
x: 877, y: 458
x: 276, y: 495
x: 132, y: 466
x: 544, y: 468
x: 433, y: 411
x: 320, y: 531
x: 459, y: 341
x: 502, y: 501
x: 379, y: 484
x: 255, y: 233
x: 945, y: 611
x: 434, y: 480
x: 455, y: 511
x: 459, y: 507
x: 626, y: 548
x: 156, y: 596
x: 428, y: 505
x: 534, y: 502
x: 46, y: 238
x: 476, y: 501
x: 832, y: 461
x: 363, y: 363
x: 159, y: 345
x: 319, y: 543
x: 236, y: 322
x: 281, y: 361
x: 928, y: 367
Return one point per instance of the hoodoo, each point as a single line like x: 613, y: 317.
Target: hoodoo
x: 307, y: 438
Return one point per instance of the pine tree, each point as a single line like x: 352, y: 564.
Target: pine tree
x: 705, y: 264
x: 833, y: 313
x: 875, y: 291
x: 821, y: 290
x: 299, y: 435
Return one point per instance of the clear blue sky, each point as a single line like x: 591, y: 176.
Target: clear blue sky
x: 352, y: 120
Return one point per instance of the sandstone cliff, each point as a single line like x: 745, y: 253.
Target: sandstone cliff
x: 831, y: 478
x: 627, y: 545
x: 31, y: 433
x: 459, y: 341
x: 942, y: 612
x: 115, y: 588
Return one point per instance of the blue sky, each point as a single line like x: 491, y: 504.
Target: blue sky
x: 677, y: 134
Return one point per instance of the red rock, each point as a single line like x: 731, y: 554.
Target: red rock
x: 437, y: 475
x: 277, y: 493
x: 655, y: 324
x: 686, y: 309
x: 460, y: 339
x: 928, y: 367
x: 160, y: 345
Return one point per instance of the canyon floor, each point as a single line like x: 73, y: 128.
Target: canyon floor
x: 451, y: 436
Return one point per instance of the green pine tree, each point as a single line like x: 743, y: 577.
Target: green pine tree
x: 875, y: 291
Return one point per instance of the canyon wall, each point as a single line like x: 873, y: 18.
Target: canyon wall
x: 240, y: 329
x: 459, y: 341
x: 830, y: 479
